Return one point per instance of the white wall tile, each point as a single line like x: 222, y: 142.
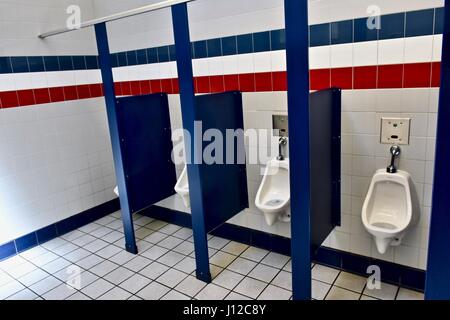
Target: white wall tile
x: 391, y: 51
x: 341, y: 55
x: 365, y: 53
x: 319, y: 57
x: 418, y: 49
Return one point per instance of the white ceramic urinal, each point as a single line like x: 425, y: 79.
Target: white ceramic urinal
x: 273, y: 197
x: 182, y: 188
x: 390, y: 208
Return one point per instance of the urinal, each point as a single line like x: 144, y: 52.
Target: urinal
x: 391, y: 208
x: 273, y: 197
x: 182, y: 188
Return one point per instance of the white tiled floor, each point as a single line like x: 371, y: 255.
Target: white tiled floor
x: 165, y: 269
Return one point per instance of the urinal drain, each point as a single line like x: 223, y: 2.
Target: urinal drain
x: 273, y: 203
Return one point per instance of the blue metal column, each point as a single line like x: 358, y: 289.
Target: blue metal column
x: 110, y: 99
x: 297, y: 43
x: 187, y: 95
x: 438, y: 280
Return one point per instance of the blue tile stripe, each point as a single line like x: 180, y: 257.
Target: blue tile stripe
x: 393, y: 26
x: 58, y: 229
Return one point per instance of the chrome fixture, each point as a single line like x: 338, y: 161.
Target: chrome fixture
x: 281, y: 143
x: 395, y: 153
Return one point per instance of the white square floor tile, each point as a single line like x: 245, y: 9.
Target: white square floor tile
x: 154, y: 291
x: 175, y: 295
x: 187, y: 265
x: 142, y: 233
x: 156, y: 237
x: 170, y: 242
x: 154, y: 270
x: 171, y: 258
x: 61, y: 292
x: 183, y: 233
x: 113, y: 236
x: 84, y: 240
x: 103, y: 268
x: 337, y: 293
x: 44, y: 259
x: 21, y: 270
x: 119, y: 275
x: 228, y: 279
x: 25, y: 294
x: 73, y: 235
x: 275, y: 293
x: 351, y: 282
x: 5, y: 278
x: 108, y: 251
x: 33, y: 277
x: 264, y: 273
x: 283, y: 280
x: 100, y: 232
x: 65, y: 249
x: 319, y: 289
x: 87, y: 278
x: 154, y: 252
x: 236, y: 296
x: 135, y: 283
x: 172, y: 278
x: 363, y: 297
x: 122, y: 257
x: 45, y: 285
x: 185, y: 248
x: 235, y: 248
x: 137, y: 264
x: 222, y: 259
x: 242, y: 266
x: 116, y: 294
x: 190, y: 286
x: 250, y: 287
x: 275, y: 260
x: 254, y: 254
x: 76, y: 255
x: 406, y: 294
x: 97, y: 288
x: 78, y: 297
x: 33, y: 253
x: 96, y: 245
x: 12, y: 263
x: 217, y: 243
x: 170, y: 229
x: 386, y: 292
x: 212, y: 292
x: 90, y: 261
x: 56, y: 265
x: 10, y: 289
x: 156, y: 225
x: 54, y: 243
x: 324, y: 274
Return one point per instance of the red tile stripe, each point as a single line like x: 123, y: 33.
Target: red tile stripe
x: 416, y: 75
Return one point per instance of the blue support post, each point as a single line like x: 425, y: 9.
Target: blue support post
x: 187, y: 96
x: 297, y: 43
x: 437, y: 279
x: 110, y: 99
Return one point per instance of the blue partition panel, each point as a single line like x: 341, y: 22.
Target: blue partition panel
x: 325, y: 153
x: 224, y: 184
x: 438, y: 280
x: 145, y: 137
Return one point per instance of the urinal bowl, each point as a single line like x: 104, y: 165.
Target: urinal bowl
x: 273, y: 197
x: 390, y: 208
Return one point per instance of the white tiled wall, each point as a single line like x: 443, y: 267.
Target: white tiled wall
x: 23, y: 20
x: 55, y: 159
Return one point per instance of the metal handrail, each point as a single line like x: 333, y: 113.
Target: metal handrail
x: 116, y: 16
